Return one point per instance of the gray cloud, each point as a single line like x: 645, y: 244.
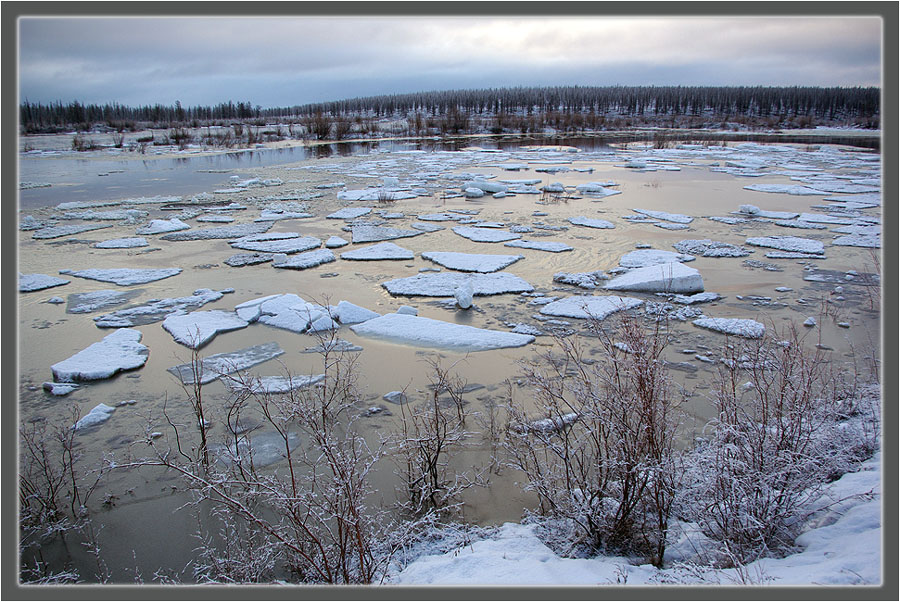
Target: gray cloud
x: 285, y: 61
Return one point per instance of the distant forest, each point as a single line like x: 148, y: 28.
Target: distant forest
x: 500, y: 110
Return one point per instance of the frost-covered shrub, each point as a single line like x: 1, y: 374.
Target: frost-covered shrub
x: 600, y: 454
x: 779, y: 435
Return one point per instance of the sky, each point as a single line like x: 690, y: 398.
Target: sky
x: 286, y: 61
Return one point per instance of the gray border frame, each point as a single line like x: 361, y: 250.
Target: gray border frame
x: 11, y: 11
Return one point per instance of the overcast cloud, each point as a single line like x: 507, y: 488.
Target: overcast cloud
x: 293, y: 60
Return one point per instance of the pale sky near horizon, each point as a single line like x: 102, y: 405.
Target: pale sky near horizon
x: 285, y: 61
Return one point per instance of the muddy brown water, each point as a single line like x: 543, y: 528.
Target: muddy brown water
x: 147, y: 526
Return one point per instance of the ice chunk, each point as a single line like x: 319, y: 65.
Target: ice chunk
x: 242, y: 259
x: 444, y: 284
x: 696, y: 298
x: 336, y: 242
x: 163, y: 226
x: 361, y: 234
x: 60, y: 389
x: 122, y: 243
x: 587, y: 306
x: 788, y: 243
x: 38, y: 282
x: 869, y: 241
x: 750, y: 329
x: 84, y: 303
x: 382, y: 250
x: 303, y: 261
x: 117, y: 351
x: 272, y: 384
x: 197, y: 328
x: 374, y: 194
x: 491, y: 187
x: 665, y: 277
x: 426, y: 332
x: 463, y: 294
x: 350, y: 213
x: 710, y: 248
x: 124, y: 276
x: 647, y: 257
x: 348, y: 313
x: 676, y: 218
x: 471, y: 262
x: 549, y: 246
x: 287, y: 245
x: 157, y: 309
x: 236, y: 231
x: 66, y: 230
x: 587, y: 280
x: 98, y: 415
x: 785, y: 189
x: 485, y: 234
x: 591, y: 223
x: 215, y: 366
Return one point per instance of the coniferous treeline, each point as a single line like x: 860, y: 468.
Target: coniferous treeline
x: 822, y: 104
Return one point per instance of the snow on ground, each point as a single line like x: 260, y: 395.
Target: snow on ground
x: 426, y: 332
x: 117, y: 351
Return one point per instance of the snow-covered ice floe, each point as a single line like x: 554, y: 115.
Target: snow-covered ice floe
x: 539, y: 245
x: 676, y: 218
x: 117, y: 351
x: 665, y: 277
x: 157, y: 309
x: 122, y: 243
x: 303, y: 261
x: 197, y: 328
x: 216, y: 366
x: 235, y: 231
x: 271, y: 384
x: 85, y: 303
x: 124, y: 276
x: 37, y: 282
x: 285, y: 245
x: 746, y: 328
x: 445, y: 284
x: 379, y: 251
x: 348, y: 213
x: 485, y: 234
x: 793, y: 244
x: 426, y: 332
x: 642, y: 258
x: 361, y: 234
x: 587, y: 222
x: 66, y: 230
x: 163, y: 226
x: 710, y: 248
x: 587, y: 306
x: 99, y: 414
x: 471, y: 262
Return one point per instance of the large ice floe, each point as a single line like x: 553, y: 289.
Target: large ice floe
x: 271, y: 384
x: 793, y: 244
x: 672, y: 277
x: 869, y: 241
x: 122, y: 243
x: 348, y: 213
x: 85, y: 303
x: 303, y: 261
x: 642, y: 258
x: 284, y: 245
x: 676, y: 218
x: 37, y: 282
x: 471, y: 262
x: 426, y: 332
x: 445, y: 284
x: 163, y: 226
x: 485, y: 234
x: 235, y: 231
x: 710, y: 248
x: 124, y: 276
x: 117, y: 351
x: 746, y: 328
x: 66, y: 230
x: 362, y: 234
x: 539, y: 245
x: 587, y: 222
x: 157, y: 309
x: 588, y: 306
x: 375, y: 194
x: 380, y: 251
x: 220, y: 364
x: 260, y: 449
x: 197, y: 328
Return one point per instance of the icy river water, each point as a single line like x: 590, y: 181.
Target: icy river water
x: 145, y: 526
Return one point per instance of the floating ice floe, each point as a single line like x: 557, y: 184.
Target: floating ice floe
x: 349, y: 213
x: 236, y: 231
x: 785, y: 189
x: 262, y: 449
x: 286, y: 245
x: 273, y: 215
x: 99, y: 414
x: 426, y: 332
x: 272, y: 384
x: 336, y: 242
x: 440, y: 217
x: 549, y: 246
x: 665, y: 277
x: 869, y: 241
x: 710, y: 248
x: 750, y: 329
x: 124, y: 276
x: 163, y: 226
x: 122, y: 243
x: 197, y: 328
x: 728, y: 220
x: 788, y: 243
x: 60, y: 389
x: 362, y: 234
x: 132, y: 215
x: 38, y: 282
x: 588, y: 306
x: 597, y: 189
x: 646, y: 257
x: 484, y: 186
x: 85, y: 303
x: 216, y: 366
x: 444, y: 284
x: 799, y: 224
x: 676, y: 218
x: 156, y: 309
x: 348, y: 313
x: 471, y: 262
x: 872, y: 230
x: 66, y: 230
x: 117, y: 351
x: 819, y: 218
x: 754, y: 211
x: 303, y: 261
x: 375, y: 194
x: 696, y: 298
x: 485, y: 234
x: 242, y: 259
x: 379, y: 251
x: 426, y: 227
x: 591, y: 223
x: 217, y: 219
x: 334, y: 346
x: 463, y: 294
x: 586, y: 280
